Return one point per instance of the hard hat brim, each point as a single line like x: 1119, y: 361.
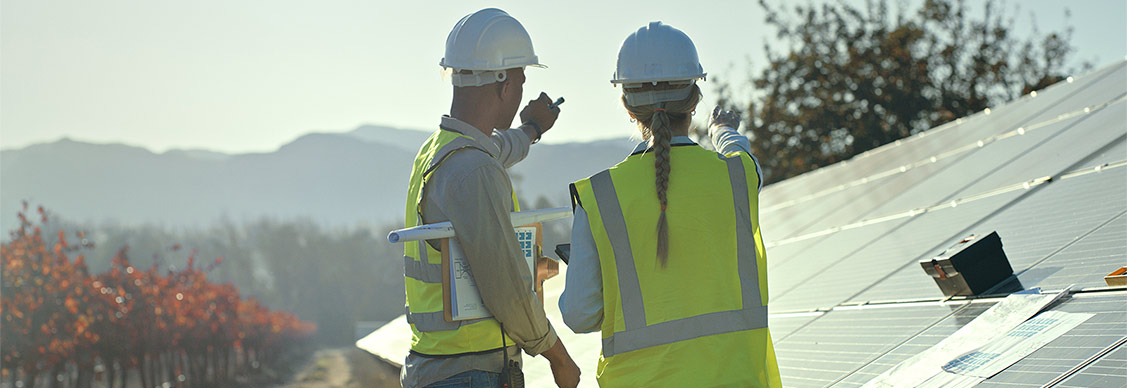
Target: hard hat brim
x: 617, y: 81
x: 443, y: 64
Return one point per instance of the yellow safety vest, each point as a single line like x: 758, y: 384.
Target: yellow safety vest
x: 431, y: 334
x: 702, y: 320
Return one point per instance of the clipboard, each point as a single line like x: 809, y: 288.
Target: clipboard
x: 461, y: 300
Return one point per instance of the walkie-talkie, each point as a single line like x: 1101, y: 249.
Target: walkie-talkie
x: 511, y: 375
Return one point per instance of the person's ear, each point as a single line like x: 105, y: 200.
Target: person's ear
x: 503, y: 87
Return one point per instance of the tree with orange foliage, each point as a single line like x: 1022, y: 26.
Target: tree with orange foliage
x: 41, y: 292
x: 174, y: 328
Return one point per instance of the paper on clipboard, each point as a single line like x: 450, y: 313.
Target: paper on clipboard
x: 459, y: 289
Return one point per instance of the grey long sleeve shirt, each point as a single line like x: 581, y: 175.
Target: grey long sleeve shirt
x: 472, y: 190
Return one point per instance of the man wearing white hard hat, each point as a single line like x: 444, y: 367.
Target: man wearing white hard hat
x: 668, y: 240
x: 459, y: 176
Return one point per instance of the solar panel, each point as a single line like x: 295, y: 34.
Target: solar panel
x: 846, y: 206
x: 1087, y: 261
x: 914, y: 345
x: 1048, y: 151
x: 1116, y: 153
x: 841, y: 341
x: 1031, y: 230
x: 783, y: 325
x: 1023, y: 159
x: 1045, y: 364
x: 1086, y: 90
x: 1080, y: 143
x: 778, y: 256
x: 1072, y: 348
x: 810, y: 269
x: 1109, y: 371
x: 1068, y: 148
x: 830, y: 273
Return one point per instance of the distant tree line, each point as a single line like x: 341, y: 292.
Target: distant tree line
x: 62, y: 321
x: 332, y: 277
x: 849, y: 79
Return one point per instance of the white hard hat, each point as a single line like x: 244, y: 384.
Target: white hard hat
x: 487, y: 42
x: 657, y: 53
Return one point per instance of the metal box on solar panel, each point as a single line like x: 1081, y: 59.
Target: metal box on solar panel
x: 1117, y: 278
x: 971, y: 266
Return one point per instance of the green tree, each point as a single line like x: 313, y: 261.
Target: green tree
x: 852, y: 79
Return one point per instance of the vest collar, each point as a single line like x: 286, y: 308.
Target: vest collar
x: 462, y: 127
x: 644, y: 146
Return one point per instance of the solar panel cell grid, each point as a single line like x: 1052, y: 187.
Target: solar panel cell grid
x: 1087, y: 90
x: 846, y: 206
x: 881, y: 252
x: 1109, y: 372
x: 1000, y: 164
x: 785, y: 274
x: 1030, y: 230
x: 1067, y: 146
x: 783, y: 325
x: 1086, y: 262
x: 1116, y: 153
x: 1072, y: 348
x: 778, y: 256
x: 843, y: 340
x: 914, y: 345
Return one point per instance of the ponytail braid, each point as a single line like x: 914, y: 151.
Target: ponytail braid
x: 656, y: 122
x: 662, y: 136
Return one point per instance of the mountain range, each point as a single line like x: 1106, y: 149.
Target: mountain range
x: 336, y: 179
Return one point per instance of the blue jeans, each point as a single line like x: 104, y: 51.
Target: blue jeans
x: 471, y: 379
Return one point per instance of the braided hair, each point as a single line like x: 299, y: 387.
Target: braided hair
x: 656, y: 121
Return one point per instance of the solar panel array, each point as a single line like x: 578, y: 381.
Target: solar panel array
x: 1048, y: 172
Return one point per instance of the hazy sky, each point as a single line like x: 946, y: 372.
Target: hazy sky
x: 249, y: 76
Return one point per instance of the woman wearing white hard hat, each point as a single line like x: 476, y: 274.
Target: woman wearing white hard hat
x: 666, y: 255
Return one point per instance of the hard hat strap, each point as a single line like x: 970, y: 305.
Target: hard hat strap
x: 655, y: 96
x: 478, y: 77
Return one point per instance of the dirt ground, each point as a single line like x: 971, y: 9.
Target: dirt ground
x: 345, y: 368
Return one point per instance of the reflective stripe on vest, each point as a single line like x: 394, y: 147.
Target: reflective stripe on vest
x: 639, y: 335
x: 421, y: 270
